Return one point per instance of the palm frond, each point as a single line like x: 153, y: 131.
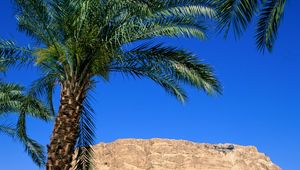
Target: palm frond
x: 10, y: 97
x: 34, y: 150
x: 186, y: 67
x: 11, y: 54
x: 134, y: 20
x: 13, y: 99
x: 8, y: 130
x: 33, y: 19
x: 84, y: 153
x: 168, y: 67
x: 236, y: 14
x: 44, y: 87
x: 188, y: 10
x: 170, y: 85
x: 35, y: 108
x: 269, y: 20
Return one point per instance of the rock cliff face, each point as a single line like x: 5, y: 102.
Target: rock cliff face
x: 164, y: 154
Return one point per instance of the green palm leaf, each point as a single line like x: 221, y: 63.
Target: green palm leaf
x: 34, y: 150
x: 12, y: 55
x: 236, y: 14
x: 168, y: 67
x: 84, y: 156
x: 268, y: 23
x: 13, y: 100
x: 8, y: 130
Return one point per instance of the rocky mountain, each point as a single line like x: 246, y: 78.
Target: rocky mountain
x: 165, y: 154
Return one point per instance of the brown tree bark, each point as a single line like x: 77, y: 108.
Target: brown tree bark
x: 65, y: 132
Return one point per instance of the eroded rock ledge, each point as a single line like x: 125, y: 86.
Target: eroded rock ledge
x: 165, y: 154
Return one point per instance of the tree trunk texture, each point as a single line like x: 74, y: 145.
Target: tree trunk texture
x: 65, y: 132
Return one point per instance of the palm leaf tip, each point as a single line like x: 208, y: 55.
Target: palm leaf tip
x: 268, y: 23
x: 8, y: 130
x: 236, y: 14
x: 34, y: 149
x: 202, y: 76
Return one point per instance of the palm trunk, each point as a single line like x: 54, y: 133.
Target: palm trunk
x: 65, y: 132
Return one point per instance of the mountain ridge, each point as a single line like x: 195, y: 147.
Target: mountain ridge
x: 171, y: 154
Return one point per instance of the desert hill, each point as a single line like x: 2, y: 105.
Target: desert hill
x: 165, y: 154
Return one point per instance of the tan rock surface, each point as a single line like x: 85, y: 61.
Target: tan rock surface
x: 165, y: 154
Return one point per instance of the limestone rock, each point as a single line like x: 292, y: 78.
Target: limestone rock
x: 165, y: 154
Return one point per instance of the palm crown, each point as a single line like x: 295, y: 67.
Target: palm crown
x: 84, y: 39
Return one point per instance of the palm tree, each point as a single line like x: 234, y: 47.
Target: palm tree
x: 82, y: 40
x: 13, y: 100
x: 85, y: 39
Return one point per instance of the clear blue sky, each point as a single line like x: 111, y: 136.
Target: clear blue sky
x: 260, y: 105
